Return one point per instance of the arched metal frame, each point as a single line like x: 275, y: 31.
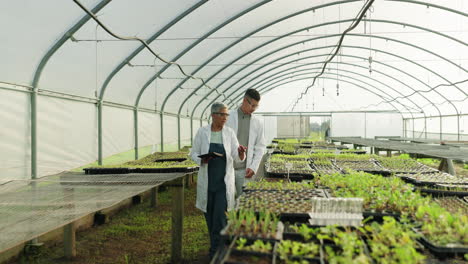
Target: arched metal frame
x: 251, y: 33
x: 102, y: 4
x: 334, y: 35
x: 345, y: 46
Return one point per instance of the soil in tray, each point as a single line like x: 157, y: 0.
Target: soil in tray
x: 453, y: 205
x: 248, y: 259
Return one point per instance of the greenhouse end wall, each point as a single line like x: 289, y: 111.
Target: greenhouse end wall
x: 366, y: 125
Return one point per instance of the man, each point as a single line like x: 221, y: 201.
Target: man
x: 249, y: 130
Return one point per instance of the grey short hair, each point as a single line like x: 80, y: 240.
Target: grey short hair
x: 217, y: 106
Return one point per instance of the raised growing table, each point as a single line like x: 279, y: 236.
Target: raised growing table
x: 31, y: 208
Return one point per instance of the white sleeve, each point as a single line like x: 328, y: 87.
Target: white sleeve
x: 259, y: 149
x: 196, y: 147
x: 234, y: 146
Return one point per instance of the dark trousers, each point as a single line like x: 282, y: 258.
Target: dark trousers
x: 216, y: 217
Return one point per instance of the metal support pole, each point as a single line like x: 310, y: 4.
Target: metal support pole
x: 162, y: 131
x: 413, y: 128
x: 191, y: 131
x: 440, y: 128
x: 178, y: 132
x: 446, y: 165
x: 404, y: 127
x: 177, y: 190
x: 425, y: 127
x: 34, y: 134
x: 135, y: 119
x: 69, y: 240
x: 154, y: 197
x: 99, y: 106
x: 458, y: 127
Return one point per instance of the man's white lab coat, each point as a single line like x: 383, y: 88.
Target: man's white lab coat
x: 256, y: 146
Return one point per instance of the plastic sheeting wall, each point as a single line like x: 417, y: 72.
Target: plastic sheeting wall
x: 64, y: 139
x: 432, y: 127
x: 67, y: 140
x: 15, y: 138
x: 148, y: 130
x: 185, y: 132
x: 366, y: 125
x: 269, y: 128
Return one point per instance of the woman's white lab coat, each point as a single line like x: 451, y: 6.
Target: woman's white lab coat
x: 201, y: 145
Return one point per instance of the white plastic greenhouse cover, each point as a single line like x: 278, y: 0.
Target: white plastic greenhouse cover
x: 62, y: 74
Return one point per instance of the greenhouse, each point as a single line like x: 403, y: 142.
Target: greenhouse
x: 259, y: 131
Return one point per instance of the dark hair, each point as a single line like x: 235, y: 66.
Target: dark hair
x: 252, y: 93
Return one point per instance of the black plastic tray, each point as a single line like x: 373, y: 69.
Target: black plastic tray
x: 294, y: 217
x: 137, y: 170
x: 106, y: 170
x: 440, y: 251
x: 174, y: 159
x: 236, y: 252
x: 164, y: 170
x: 437, y: 193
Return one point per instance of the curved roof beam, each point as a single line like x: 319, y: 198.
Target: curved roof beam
x: 66, y: 36
x: 269, y: 88
x: 327, y: 36
x: 178, y: 56
x: 142, y: 47
x: 305, y: 72
x: 350, y: 56
x: 274, y: 22
x: 238, y: 41
x: 289, y: 55
x: 273, y: 77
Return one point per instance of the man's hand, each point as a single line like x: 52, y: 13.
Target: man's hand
x: 249, y: 173
x: 241, y: 150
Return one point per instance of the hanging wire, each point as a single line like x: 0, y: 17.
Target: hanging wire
x: 357, y: 20
x: 94, y: 17
x: 431, y: 103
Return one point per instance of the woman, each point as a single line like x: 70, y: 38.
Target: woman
x: 215, y: 183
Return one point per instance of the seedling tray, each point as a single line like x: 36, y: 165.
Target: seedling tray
x: 290, y: 234
x: 238, y: 255
x: 292, y: 176
x: 229, y: 238
x: 441, y: 251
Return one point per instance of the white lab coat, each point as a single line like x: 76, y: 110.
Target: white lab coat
x: 256, y: 147
x: 201, y: 145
